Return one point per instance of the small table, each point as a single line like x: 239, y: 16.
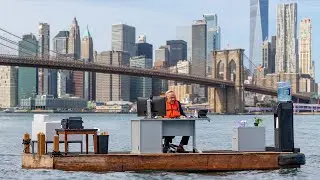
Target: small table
x: 79, y: 131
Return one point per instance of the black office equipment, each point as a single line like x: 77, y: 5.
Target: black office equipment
x: 157, y: 106
x: 202, y: 113
x: 142, y: 106
x: 72, y: 123
x: 283, y: 127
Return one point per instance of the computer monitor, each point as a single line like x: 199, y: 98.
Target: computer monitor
x: 158, y: 106
x: 142, y: 106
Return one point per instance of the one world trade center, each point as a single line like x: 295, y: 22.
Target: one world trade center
x: 258, y: 31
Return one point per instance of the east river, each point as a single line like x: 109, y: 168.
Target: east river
x: 213, y: 135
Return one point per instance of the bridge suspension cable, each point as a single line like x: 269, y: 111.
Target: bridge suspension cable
x: 201, y: 64
x: 61, y: 57
x: 15, y: 43
x: 11, y: 44
x: 49, y: 50
x: 250, y: 62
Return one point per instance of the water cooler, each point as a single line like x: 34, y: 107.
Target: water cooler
x: 283, y: 127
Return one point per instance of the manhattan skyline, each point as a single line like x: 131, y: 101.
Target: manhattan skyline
x: 157, y: 20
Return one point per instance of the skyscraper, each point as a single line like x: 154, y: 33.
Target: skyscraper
x: 140, y: 86
x: 64, y: 81
x: 177, y: 51
x: 87, y: 46
x: 144, y: 48
x: 287, y: 54
x: 52, y: 82
x: 89, y: 77
x: 199, y: 54
x: 27, y: 76
x: 199, y: 48
x: 44, y: 48
x: 273, y: 54
x: 259, y: 24
x: 60, y: 42
x: 213, y: 37
x: 124, y: 38
x: 159, y: 85
x: 162, y: 54
x: 74, y: 48
x: 266, y: 57
x: 185, y: 33
x: 74, y: 43
x: 112, y: 87
x: 305, y: 44
x: 8, y: 86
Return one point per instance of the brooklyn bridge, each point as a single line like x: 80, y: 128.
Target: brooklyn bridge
x: 226, y: 94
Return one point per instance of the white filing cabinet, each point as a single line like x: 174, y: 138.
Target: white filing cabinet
x: 42, y: 123
x: 248, y: 139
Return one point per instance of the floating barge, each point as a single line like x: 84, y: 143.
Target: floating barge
x: 183, y: 162
x: 248, y: 148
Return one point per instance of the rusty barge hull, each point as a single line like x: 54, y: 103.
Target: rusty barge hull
x: 185, y: 162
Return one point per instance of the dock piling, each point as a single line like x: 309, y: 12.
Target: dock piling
x: 56, y: 145
x: 41, y: 144
x: 26, y: 142
x: 38, y: 142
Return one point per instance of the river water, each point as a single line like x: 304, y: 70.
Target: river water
x: 216, y: 134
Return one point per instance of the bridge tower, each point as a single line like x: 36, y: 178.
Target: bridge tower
x: 228, y: 65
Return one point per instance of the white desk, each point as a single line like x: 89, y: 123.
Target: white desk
x: 147, y: 134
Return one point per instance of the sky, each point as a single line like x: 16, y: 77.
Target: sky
x: 158, y: 20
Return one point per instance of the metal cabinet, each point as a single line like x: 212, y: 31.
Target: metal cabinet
x: 248, y: 139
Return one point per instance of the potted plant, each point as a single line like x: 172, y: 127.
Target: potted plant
x: 257, y: 121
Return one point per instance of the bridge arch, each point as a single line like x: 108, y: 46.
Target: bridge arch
x: 230, y: 62
x: 220, y: 70
x: 232, y: 70
x: 228, y: 99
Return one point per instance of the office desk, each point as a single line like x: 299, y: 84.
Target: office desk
x: 147, y: 134
x: 79, y: 131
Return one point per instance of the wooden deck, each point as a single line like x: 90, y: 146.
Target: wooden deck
x: 206, y: 161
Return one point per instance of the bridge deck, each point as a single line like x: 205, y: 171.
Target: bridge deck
x: 13, y: 60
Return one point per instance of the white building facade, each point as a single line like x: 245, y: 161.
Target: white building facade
x: 287, y: 47
x: 305, y: 46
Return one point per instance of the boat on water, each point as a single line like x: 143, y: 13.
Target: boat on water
x: 147, y: 151
x: 9, y: 110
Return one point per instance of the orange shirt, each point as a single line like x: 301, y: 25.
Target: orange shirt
x: 173, y: 110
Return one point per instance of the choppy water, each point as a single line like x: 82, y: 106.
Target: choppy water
x: 216, y: 134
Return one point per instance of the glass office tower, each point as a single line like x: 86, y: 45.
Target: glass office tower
x: 259, y: 24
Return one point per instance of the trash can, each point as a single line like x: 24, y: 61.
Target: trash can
x: 103, y: 144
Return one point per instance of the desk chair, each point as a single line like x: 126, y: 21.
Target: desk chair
x: 171, y: 149
x: 202, y: 113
